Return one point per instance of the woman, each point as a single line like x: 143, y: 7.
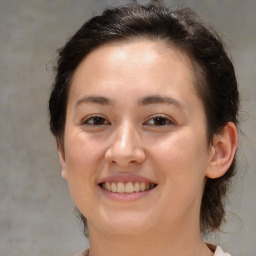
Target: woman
x: 144, y: 110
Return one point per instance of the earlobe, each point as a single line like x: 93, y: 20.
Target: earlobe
x: 222, y: 151
x: 62, y: 161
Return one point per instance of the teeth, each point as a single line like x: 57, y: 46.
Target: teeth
x: 120, y: 187
x: 107, y: 186
x: 113, y: 187
x: 129, y: 187
x: 137, y: 187
x: 143, y: 186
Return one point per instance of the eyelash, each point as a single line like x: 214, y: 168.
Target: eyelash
x: 162, y: 121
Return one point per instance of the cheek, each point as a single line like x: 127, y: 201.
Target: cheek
x: 81, y: 153
x: 82, y: 162
x: 179, y: 149
x: 81, y: 157
x: 181, y: 159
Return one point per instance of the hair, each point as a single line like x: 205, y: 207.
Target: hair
x: 182, y: 29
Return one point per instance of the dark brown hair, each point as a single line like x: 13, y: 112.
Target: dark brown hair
x: 216, y: 83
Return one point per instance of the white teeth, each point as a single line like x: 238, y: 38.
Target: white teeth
x: 137, y: 187
x: 113, y: 187
x: 108, y: 186
x: 120, y: 187
x: 143, y: 186
x: 129, y: 187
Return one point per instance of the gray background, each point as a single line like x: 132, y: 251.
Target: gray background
x: 36, y: 212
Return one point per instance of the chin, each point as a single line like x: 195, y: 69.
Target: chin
x: 126, y: 224
x: 128, y: 229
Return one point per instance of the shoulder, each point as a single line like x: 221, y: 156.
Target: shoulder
x: 83, y: 253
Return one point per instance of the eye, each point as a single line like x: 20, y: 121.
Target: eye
x: 159, y: 121
x: 95, y: 121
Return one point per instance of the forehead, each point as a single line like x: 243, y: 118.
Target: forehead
x: 141, y: 64
x: 135, y: 49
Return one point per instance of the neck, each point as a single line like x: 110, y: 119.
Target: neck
x: 152, y: 243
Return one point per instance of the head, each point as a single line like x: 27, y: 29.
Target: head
x: 182, y: 31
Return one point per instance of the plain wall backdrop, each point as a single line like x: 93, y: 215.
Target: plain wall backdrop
x: 36, y: 211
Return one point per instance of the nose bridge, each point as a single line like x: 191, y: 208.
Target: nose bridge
x: 126, y: 140
x: 126, y: 137
x: 126, y: 146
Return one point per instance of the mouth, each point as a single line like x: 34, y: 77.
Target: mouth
x: 127, y: 187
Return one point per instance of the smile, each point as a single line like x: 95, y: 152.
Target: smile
x: 129, y: 187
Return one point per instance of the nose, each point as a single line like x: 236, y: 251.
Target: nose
x: 125, y: 147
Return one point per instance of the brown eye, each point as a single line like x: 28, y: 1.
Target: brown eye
x: 159, y: 121
x: 96, y: 121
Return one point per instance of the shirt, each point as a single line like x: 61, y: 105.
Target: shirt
x: 216, y: 249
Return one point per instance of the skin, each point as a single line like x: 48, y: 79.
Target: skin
x: 138, y: 135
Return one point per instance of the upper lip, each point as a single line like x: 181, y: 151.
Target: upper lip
x: 126, y: 178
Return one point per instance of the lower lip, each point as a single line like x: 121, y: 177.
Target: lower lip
x: 126, y: 196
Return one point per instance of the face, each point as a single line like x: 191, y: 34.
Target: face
x: 135, y: 140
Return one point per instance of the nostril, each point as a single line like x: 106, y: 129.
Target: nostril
x: 124, y: 157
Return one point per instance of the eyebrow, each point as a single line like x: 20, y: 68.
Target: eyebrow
x: 158, y: 99
x: 148, y: 100
x: 95, y: 100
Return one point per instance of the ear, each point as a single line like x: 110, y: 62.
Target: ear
x: 222, y: 151
x: 62, y: 160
